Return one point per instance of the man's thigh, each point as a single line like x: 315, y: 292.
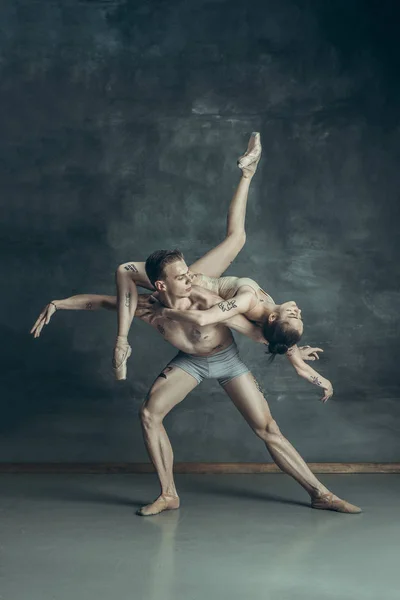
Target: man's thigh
x: 249, y: 399
x: 169, y: 389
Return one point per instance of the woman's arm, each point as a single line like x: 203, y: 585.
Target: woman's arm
x: 79, y: 302
x: 308, y: 373
x: 242, y: 325
x: 219, y: 313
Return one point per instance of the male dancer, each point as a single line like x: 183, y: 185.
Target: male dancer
x: 205, y: 352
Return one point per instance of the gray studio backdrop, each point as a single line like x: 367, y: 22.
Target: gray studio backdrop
x: 121, y: 123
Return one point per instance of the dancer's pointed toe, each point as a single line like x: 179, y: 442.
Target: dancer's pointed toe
x: 121, y: 355
x: 249, y: 160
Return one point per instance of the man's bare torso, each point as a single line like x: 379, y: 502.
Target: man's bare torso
x: 190, y: 338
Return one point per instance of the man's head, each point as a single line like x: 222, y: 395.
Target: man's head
x: 169, y: 273
x: 284, y: 328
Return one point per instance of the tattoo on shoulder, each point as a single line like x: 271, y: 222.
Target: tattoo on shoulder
x: 161, y: 329
x: 291, y: 351
x: 227, y: 305
x: 89, y: 306
x: 131, y: 267
x: 315, y: 380
x: 128, y: 299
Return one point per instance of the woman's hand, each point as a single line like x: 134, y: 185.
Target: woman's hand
x: 308, y: 353
x: 328, y: 389
x: 43, y: 319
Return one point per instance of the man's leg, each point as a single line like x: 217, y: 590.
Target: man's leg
x: 249, y: 400
x: 169, y: 389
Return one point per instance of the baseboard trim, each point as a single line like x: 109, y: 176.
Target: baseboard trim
x: 192, y: 467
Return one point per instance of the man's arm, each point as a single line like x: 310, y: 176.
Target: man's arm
x: 83, y: 302
x: 219, y: 313
x: 79, y: 302
x: 217, y: 260
x: 308, y: 373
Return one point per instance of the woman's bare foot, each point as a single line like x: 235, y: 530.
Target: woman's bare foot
x: 162, y: 503
x: 250, y: 159
x: 122, y: 352
x: 331, y: 502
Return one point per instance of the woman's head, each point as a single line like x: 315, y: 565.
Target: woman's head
x: 284, y: 328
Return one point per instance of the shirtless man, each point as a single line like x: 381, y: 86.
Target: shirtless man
x: 205, y: 352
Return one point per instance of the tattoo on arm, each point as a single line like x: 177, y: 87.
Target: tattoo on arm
x: 131, y: 267
x: 128, y: 299
x: 161, y: 329
x: 227, y: 305
x: 89, y: 306
x: 315, y: 380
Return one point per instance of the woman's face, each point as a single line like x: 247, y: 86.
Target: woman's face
x: 291, y: 313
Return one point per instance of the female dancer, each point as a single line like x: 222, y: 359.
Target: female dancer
x: 282, y: 325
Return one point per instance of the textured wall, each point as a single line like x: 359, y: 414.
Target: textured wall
x: 121, y: 124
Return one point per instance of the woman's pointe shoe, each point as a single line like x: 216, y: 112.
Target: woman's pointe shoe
x: 250, y: 159
x: 119, y: 363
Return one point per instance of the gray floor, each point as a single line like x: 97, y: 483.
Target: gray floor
x: 77, y: 537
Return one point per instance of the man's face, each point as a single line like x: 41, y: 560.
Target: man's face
x: 177, y: 280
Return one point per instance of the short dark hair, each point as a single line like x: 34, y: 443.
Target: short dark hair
x: 281, y: 336
x: 156, y: 263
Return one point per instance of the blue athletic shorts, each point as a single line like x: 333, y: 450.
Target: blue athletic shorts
x: 224, y: 365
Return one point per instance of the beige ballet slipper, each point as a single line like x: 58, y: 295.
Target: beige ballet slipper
x: 250, y: 159
x: 119, y: 368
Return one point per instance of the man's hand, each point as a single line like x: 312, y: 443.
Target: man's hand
x: 308, y: 353
x: 149, y: 308
x: 43, y: 319
x: 328, y: 389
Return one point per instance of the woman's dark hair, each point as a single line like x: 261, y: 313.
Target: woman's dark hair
x: 156, y: 263
x: 281, y: 336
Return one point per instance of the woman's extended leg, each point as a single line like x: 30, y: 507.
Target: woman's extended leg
x: 127, y: 277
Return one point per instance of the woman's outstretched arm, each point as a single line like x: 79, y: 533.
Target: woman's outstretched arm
x: 308, y: 373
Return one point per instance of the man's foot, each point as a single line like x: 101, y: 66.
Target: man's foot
x: 122, y: 352
x: 162, y: 503
x: 250, y: 159
x: 331, y: 502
